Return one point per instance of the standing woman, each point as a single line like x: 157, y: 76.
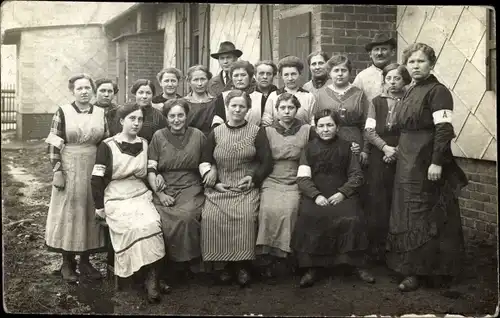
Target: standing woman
x: 153, y: 118
x: 75, y: 131
x: 287, y: 137
x: 425, y: 232
x: 383, y: 135
x: 241, y: 73
x: 169, y: 79
x: 124, y: 201
x: 175, y: 153
x: 105, y: 92
x: 201, y: 110
x: 229, y: 217
x: 348, y: 101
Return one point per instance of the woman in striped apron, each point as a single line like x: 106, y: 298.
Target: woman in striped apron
x: 243, y: 157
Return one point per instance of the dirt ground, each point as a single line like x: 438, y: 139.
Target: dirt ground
x: 31, y: 286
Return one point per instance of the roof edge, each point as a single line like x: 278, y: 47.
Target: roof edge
x: 124, y: 13
x: 10, y: 36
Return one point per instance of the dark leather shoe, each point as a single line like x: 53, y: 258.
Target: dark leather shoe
x: 308, y: 279
x: 164, y: 288
x: 243, y: 277
x: 410, y: 283
x: 88, y: 270
x: 365, y: 276
x: 225, y: 277
x: 68, y: 273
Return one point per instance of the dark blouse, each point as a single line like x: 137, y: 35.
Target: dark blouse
x: 421, y: 102
x: 333, y: 169
x: 111, y: 116
x: 160, y: 99
x: 153, y: 121
x: 263, y: 153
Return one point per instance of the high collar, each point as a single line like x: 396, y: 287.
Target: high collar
x: 236, y: 127
x: 430, y: 79
x: 327, y: 142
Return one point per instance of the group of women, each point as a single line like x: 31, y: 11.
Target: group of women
x: 230, y: 183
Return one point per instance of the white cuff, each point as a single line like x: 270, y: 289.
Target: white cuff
x: 153, y: 164
x: 100, y: 212
x: 204, y: 167
x: 370, y: 123
x: 304, y: 171
x: 99, y: 170
x: 442, y: 116
x: 55, y: 141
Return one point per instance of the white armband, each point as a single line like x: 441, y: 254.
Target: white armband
x: 217, y: 120
x: 100, y: 212
x: 304, y: 171
x: 55, y: 141
x: 370, y: 123
x: 442, y: 116
x: 152, y: 164
x: 99, y: 170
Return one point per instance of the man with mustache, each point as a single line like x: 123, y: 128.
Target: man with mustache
x: 317, y: 61
x: 382, y: 49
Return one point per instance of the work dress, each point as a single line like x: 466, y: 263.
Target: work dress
x: 425, y: 231
x: 200, y: 114
x: 229, y: 219
x: 121, y: 196
x: 73, y: 140
x: 176, y: 158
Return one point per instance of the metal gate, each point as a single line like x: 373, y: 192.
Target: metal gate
x: 9, y: 111
x: 295, y: 39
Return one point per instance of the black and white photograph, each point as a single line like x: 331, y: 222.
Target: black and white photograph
x: 249, y: 159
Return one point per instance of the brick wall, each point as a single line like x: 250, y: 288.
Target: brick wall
x: 145, y: 57
x: 347, y: 28
x: 479, y: 200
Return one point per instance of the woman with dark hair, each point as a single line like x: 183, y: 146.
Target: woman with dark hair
x: 105, y: 92
x: 241, y: 73
x: 289, y: 69
x: 330, y: 229
x: 175, y: 153
x: 201, y: 110
x: 123, y: 200
x: 243, y: 157
x: 317, y: 62
x: 75, y: 131
x: 287, y: 137
x: 380, y: 131
x: 425, y: 231
x: 348, y: 101
x: 169, y: 79
x: 154, y: 120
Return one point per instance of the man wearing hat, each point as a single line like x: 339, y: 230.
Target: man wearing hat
x: 226, y: 55
x: 382, y: 49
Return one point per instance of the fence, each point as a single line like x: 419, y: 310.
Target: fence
x: 9, y: 110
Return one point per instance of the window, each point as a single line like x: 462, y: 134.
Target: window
x: 491, y: 59
x: 194, y: 16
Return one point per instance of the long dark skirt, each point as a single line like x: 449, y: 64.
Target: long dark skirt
x: 379, y: 184
x: 331, y: 235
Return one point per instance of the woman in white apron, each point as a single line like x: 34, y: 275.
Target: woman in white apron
x: 75, y: 131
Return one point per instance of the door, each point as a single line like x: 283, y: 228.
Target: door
x: 266, y: 32
x: 295, y: 39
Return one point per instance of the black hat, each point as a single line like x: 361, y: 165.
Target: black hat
x: 380, y: 39
x: 227, y: 47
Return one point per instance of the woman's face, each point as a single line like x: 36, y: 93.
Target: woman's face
x: 394, y: 81
x: 144, y: 95
x: 82, y: 90
x: 241, y: 80
x: 340, y: 75
x: 105, y: 94
x: 237, y: 109
x: 198, y: 82
x: 419, y: 65
x: 176, y: 118
x: 290, y: 76
x: 326, y: 128
x: 132, y: 123
x: 169, y: 83
x: 286, y: 111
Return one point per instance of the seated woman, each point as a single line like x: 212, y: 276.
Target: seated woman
x: 175, y: 154
x: 229, y: 217
x: 329, y: 228
x: 123, y: 200
x: 287, y: 137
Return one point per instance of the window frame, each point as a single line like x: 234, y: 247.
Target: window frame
x: 491, y: 78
